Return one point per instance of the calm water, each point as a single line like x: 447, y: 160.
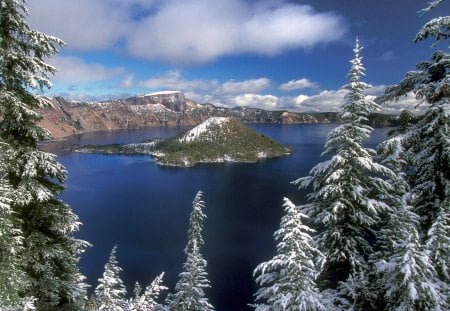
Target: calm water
x: 144, y: 208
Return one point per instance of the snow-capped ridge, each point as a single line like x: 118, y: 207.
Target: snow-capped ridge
x: 163, y: 93
x: 202, y: 128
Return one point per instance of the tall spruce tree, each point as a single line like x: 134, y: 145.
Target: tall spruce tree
x: 348, y: 190
x: 110, y: 291
x: 287, y: 281
x: 426, y: 144
x: 404, y: 277
x: 190, y: 289
x: 49, y: 252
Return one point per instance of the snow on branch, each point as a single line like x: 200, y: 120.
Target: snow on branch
x: 438, y: 27
x: 431, y: 5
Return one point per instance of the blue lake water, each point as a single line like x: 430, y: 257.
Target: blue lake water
x: 144, y: 208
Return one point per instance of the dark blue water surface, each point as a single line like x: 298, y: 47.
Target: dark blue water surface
x: 144, y: 208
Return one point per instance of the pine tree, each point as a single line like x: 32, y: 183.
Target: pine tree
x: 147, y: 301
x: 287, y: 281
x: 347, y: 191
x: 12, y: 277
x: 49, y: 253
x: 407, y: 277
x: 404, y: 277
x: 439, y: 27
x: 438, y: 241
x: 110, y: 292
x: 426, y: 144
x: 189, y: 291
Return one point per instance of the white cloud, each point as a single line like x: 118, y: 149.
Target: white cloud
x: 76, y: 70
x: 128, y: 82
x: 253, y: 93
x: 375, y: 90
x: 185, y: 32
x: 273, y: 29
x: 300, y: 99
x: 251, y: 86
x: 387, y: 56
x: 324, y: 101
x: 269, y: 102
x: 408, y: 102
x: 206, y: 91
x: 173, y: 80
x: 332, y: 100
x: 298, y: 84
x: 82, y: 24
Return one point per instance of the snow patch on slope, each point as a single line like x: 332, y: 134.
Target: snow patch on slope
x: 163, y: 93
x: 154, y: 108
x: 202, y: 128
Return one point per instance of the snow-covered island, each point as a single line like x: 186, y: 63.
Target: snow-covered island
x: 218, y: 139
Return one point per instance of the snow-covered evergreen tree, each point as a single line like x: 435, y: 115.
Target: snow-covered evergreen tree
x: 147, y: 301
x: 407, y: 277
x: 438, y: 241
x: 12, y: 276
x: 404, y: 276
x: 438, y: 27
x: 190, y: 289
x: 110, y: 292
x: 347, y: 191
x: 426, y: 144
x: 287, y: 281
x: 49, y: 253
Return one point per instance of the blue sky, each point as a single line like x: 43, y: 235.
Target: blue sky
x: 276, y: 54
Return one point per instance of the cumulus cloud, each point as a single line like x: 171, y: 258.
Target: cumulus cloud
x: 328, y: 100
x: 173, y: 80
x: 128, y: 82
x: 269, y: 102
x: 408, y: 102
x: 251, y: 85
x: 375, y: 90
x: 186, y: 32
x: 83, y: 24
x: 210, y: 91
x: 302, y: 83
x: 75, y: 70
x: 332, y: 100
x: 257, y: 93
x: 300, y: 99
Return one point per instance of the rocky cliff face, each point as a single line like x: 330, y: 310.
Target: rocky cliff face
x: 159, y: 109
x: 169, y: 108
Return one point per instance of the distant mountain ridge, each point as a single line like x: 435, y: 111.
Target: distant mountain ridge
x: 169, y: 108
